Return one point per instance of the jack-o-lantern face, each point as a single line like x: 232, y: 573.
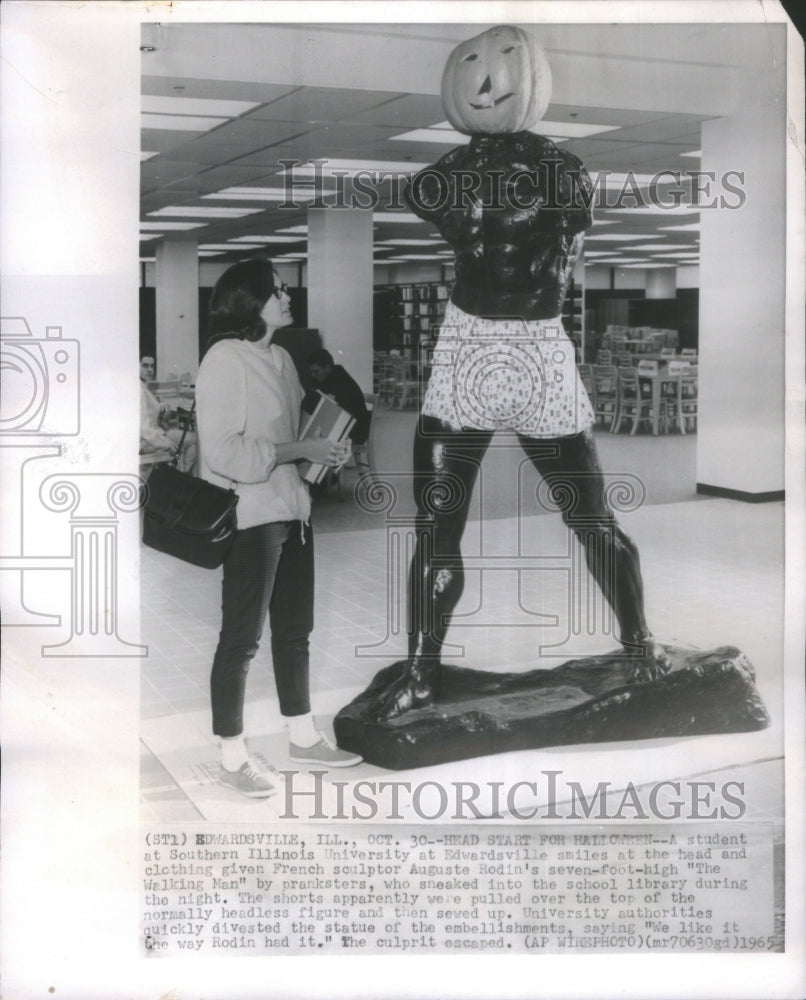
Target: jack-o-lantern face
x: 499, y: 81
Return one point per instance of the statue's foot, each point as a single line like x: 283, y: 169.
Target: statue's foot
x: 651, y: 660
x: 408, y: 692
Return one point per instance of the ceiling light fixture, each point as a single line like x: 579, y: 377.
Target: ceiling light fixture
x: 261, y: 194
x: 180, y: 123
x: 144, y: 226
x: 205, y: 106
x: 268, y: 239
x: 229, y: 247
x: 407, y: 217
x: 350, y: 167
x: 202, y: 212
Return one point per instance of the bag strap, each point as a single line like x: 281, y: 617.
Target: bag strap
x: 187, y: 425
x: 233, y: 482
x: 175, y: 460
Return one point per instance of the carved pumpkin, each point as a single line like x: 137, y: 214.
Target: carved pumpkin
x: 499, y: 81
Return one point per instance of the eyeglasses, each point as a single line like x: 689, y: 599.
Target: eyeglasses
x: 280, y: 290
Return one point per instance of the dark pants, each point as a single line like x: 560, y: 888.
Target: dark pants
x: 269, y: 569
x: 446, y: 465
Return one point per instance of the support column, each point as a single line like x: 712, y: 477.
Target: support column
x: 740, y: 446
x: 340, y: 286
x: 661, y: 282
x: 176, y: 274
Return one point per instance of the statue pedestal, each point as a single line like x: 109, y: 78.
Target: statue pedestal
x: 590, y: 700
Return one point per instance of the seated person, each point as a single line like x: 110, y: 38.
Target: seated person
x: 333, y: 380
x: 154, y: 436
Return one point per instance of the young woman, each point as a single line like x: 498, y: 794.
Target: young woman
x: 248, y: 399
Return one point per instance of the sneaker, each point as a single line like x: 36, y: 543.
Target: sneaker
x: 323, y: 752
x: 248, y: 781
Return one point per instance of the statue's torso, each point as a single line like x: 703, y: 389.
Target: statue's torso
x: 515, y: 215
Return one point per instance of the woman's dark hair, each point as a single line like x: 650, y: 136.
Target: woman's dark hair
x: 237, y: 300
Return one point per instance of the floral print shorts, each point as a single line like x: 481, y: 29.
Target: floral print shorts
x: 506, y: 374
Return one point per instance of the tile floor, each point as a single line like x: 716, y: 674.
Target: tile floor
x: 712, y: 571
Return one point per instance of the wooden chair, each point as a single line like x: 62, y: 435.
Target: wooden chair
x: 407, y: 384
x: 688, y: 352
x: 386, y: 380
x: 604, y: 357
x: 624, y: 359
x: 682, y: 407
x: 632, y: 404
x: 605, y: 393
x: 667, y: 352
x: 586, y: 375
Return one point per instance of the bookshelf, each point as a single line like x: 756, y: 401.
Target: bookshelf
x: 406, y: 315
x: 573, y: 316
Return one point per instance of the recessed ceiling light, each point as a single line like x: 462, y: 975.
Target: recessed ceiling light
x: 445, y: 136
x: 349, y: 167
x: 613, y: 177
x: 646, y: 266
x: 563, y: 130
x: 150, y: 236
x: 267, y: 239
x: 180, y: 123
x: 697, y: 153
x: 210, y: 253
x: 148, y: 260
x: 616, y: 237
x: 204, y: 106
x: 145, y: 226
x: 691, y: 227
x: 229, y: 247
x: 203, y: 212
x: 419, y: 256
x: 294, y: 229
x: 395, y: 217
x: 657, y: 210
x: 261, y: 194
x: 146, y: 156
x: 661, y: 246
x: 411, y: 243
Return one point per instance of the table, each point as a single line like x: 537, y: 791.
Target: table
x: 657, y: 381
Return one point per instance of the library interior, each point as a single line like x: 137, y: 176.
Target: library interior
x: 296, y: 142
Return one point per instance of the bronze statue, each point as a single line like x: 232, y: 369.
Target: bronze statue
x: 514, y: 207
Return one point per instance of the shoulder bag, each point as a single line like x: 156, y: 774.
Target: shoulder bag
x: 188, y: 517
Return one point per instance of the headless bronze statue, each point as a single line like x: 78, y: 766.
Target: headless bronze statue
x: 514, y: 207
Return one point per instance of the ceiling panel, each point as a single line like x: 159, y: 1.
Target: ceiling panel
x: 408, y: 111
x: 206, y: 153
x: 237, y: 90
x: 302, y: 123
x: 246, y: 131
x: 322, y: 104
x: 160, y: 140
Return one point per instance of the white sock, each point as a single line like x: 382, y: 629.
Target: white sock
x: 301, y: 730
x: 233, y: 753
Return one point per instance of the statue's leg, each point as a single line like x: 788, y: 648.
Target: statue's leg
x: 575, y: 477
x: 446, y: 465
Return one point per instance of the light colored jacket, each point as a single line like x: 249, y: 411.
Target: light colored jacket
x: 247, y: 401
x: 152, y: 436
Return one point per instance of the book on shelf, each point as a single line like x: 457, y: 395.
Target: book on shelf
x: 321, y: 417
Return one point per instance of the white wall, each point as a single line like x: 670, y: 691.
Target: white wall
x: 742, y: 267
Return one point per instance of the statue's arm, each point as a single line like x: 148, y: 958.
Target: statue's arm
x: 432, y: 195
